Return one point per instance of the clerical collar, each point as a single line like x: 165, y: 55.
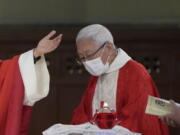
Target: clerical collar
x: 121, y: 59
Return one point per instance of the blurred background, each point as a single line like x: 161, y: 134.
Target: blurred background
x: 149, y: 30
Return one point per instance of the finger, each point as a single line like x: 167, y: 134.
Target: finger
x: 162, y: 118
x: 165, y: 119
x: 56, y: 42
x: 172, y: 123
x: 168, y: 121
x: 173, y: 103
x: 174, y: 107
x: 52, y: 33
x: 176, y: 124
x: 58, y: 38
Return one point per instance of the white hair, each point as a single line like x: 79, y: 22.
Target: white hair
x: 97, y: 32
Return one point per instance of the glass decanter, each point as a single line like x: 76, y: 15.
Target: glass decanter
x: 105, y: 117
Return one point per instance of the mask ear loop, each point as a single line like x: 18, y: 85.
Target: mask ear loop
x: 108, y: 55
x: 102, y: 54
x: 115, y: 50
x: 107, y: 59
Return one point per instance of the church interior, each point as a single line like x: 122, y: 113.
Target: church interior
x: 149, y: 31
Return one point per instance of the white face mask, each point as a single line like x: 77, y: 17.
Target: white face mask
x: 96, y: 67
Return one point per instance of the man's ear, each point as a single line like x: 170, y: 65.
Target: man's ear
x: 109, y: 45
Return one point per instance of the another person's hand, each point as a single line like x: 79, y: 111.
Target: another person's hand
x: 173, y: 119
x: 47, y: 45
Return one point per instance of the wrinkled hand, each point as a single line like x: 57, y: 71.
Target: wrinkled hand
x: 47, y: 45
x: 172, y: 119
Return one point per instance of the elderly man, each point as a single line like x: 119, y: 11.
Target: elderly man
x: 173, y: 119
x: 117, y: 80
x: 24, y: 80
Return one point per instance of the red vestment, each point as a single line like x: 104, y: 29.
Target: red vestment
x: 133, y: 87
x: 14, y: 117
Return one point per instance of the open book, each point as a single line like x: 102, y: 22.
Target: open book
x: 86, y: 129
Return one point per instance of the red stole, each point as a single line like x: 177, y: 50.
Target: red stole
x: 14, y: 117
x: 134, y: 86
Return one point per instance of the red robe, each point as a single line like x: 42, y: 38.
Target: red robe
x: 14, y: 117
x: 133, y: 87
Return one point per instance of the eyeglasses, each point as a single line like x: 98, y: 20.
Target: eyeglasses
x: 83, y: 58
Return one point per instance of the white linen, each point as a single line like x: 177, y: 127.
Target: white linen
x: 86, y: 129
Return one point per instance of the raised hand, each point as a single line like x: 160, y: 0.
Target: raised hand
x: 47, y: 45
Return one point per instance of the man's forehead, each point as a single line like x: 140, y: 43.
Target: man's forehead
x: 87, y: 46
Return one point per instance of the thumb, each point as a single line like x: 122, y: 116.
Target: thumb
x: 172, y: 102
x: 173, y: 105
x: 59, y: 38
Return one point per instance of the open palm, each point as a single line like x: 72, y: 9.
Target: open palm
x: 47, y: 45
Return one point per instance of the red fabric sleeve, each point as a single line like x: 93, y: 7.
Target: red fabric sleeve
x: 14, y: 117
x: 83, y: 113
x: 135, y: 95
x: 79, y: 115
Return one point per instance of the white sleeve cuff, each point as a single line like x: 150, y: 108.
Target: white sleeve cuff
x: 35, y: 78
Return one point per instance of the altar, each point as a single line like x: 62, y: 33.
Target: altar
x: 86, y: 129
